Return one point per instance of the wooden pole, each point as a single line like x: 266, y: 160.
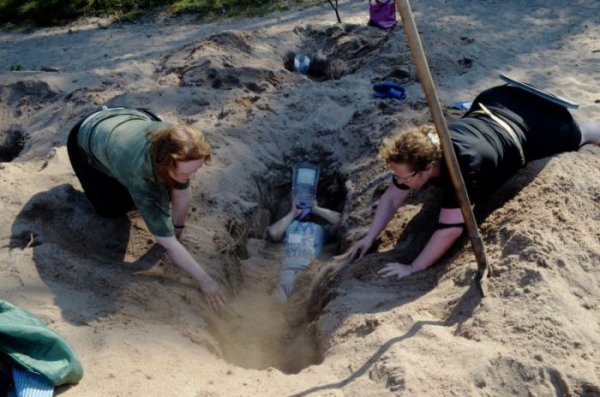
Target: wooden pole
x: 416, y: 48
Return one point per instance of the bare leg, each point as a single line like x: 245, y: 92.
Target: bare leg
x: 590, y: 132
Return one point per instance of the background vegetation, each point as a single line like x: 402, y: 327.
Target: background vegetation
x: 56, y: 12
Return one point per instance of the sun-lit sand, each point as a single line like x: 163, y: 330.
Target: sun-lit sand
x: 142, y: 328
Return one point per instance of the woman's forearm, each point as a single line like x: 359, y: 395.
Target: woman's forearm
x: 182, y: 258
x: 180, y: 204
x: 439, y: 243
x: 388, y: 204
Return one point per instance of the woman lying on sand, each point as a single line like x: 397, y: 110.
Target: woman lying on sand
x: 505, y: 128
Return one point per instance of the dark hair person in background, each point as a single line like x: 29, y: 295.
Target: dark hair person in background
x: 129, y: 158
x: 505, y: 127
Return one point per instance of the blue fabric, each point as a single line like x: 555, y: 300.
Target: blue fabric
x: 28, y: 384
x: 303, y: 241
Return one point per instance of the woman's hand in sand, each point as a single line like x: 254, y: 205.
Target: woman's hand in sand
x: 359, y: 249
x: 182, y: 258
x: 213, y: 293
x: 396, y: 269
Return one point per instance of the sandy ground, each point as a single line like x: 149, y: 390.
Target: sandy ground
x: 141, y: 327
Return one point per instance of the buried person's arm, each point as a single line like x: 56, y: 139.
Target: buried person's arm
x: 276, y: 231
x: 182, y: 258
x: 450, y: 228
x: 333, y: 217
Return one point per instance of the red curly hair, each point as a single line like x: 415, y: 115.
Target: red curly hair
x: 176, y: 143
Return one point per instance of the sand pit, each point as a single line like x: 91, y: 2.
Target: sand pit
x: 142, y: 328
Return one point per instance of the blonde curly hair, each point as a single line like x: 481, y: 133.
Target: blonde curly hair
x: 417, y: 147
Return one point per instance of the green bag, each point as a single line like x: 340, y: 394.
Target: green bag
x: 29, y: 343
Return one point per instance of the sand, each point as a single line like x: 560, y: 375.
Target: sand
x: 142, y: 328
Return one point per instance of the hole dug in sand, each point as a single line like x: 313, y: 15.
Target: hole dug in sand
x: 11, y: 144
x: 336, y: 51
x: 259, y: 330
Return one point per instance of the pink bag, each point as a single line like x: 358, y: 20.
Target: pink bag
x: 382, y: 13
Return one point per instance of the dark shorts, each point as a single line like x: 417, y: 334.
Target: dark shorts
x: 109, y: 197
x: 549, y: 128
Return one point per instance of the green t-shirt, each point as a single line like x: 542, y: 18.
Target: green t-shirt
x: 115, y: 142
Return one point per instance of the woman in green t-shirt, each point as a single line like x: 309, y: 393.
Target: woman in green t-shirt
x: 130, y: 159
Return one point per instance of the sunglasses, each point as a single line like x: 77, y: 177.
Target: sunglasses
x: 401, y: 179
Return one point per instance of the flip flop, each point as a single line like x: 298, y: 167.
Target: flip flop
x: 391, y: 93
x: 387, y: 85
x: 397, y: 93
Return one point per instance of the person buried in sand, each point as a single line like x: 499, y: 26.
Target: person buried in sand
x: 505, y: 127
x: 128, y: 158
x: 304, y: 229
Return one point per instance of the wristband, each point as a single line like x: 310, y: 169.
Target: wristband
x: 178, y: 226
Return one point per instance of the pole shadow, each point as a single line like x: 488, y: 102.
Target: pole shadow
x: 462, y: 311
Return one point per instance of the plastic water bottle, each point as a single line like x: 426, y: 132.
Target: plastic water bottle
x: 301, y: 63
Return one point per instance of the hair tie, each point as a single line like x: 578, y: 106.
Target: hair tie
x: 434, y: 138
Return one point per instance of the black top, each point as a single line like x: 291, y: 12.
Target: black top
x: 488, y: 155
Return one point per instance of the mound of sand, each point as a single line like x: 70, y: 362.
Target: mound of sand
x: 141, y: 326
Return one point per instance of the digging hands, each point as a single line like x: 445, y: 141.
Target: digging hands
x: 356, y: 251
x: 213, y: 294
x: 359, y: 249
x: 396, y: 269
